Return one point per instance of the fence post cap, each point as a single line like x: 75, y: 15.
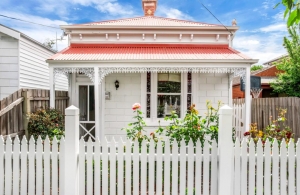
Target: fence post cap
x: 72, y: 110
x: 226, y: 110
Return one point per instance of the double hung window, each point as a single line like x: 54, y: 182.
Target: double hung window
x: 167, y: 93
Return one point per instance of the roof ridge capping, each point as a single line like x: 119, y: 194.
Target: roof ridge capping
x: 159, y: 21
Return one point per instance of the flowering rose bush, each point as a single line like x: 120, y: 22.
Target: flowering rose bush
x: 135, y: 129
x: 277, y: 129
x: 193, y: 126
x: 136, y: 106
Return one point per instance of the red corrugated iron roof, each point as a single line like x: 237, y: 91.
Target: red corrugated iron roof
x: 149, y: 21
x: 147, y: 51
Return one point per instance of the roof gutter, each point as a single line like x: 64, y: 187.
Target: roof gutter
x: 249, y: 61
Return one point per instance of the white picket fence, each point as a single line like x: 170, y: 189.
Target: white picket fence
x: 73, y: 166
x: 29, y: 167
x: 238, y: 120
x: 153, y: 169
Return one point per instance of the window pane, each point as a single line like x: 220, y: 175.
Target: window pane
x: 169, y: 83
x: 189, y: 82
x: 83, y: 97
x: 166, y: 104
x: 148, y: 105
x: 189, y: 100
x: 148, y: 81
x: 92, y: 103
x: 148, y: 112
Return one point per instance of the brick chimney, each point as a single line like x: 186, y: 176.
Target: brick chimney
x: 149, y: 7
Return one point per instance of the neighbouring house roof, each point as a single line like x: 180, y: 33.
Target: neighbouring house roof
x: 264, y: 79
x: 149, y: 21
x: 26, y: 37
x: 86, y: 52
x: 272, y: 61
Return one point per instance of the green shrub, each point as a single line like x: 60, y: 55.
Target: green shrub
x: 276, y: 129
x: 45, y: 122
x: 193, y: 126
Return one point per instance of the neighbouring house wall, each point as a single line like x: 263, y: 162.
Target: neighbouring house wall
x: 118, y: 112
x: 213, y: 87
x: 237, y: 93
x: 34, y: 71
x: 9, y: 57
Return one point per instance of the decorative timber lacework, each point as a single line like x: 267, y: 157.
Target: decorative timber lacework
x: 103, y: 71
x: 189, y: 89
x: 148, y: 94
x: 65, y: 71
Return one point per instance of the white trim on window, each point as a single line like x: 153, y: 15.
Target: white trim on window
x: 195, y: 88
x: 144, y: 95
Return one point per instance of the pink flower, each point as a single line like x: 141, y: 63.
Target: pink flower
x: 136, y: 106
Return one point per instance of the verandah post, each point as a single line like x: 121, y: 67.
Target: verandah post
x: 71, y: 151
x: 225, y: 146
x: 52, y: 87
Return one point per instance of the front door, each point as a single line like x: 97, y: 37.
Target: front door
x: 86, y: 103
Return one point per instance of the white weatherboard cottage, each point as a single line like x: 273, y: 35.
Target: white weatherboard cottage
x: 22, y: 63
x: 164, y: 64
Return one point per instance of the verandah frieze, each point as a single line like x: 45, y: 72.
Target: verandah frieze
x: 104, y: 71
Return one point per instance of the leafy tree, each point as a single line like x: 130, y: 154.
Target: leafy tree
x: 256, y: 67
x: 288, y: 81
x: 49, y: 43
x: 292, y: 11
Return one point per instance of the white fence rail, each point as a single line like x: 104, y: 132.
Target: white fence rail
x: 43, y: 167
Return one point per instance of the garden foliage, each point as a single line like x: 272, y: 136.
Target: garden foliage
x: 288, y: 82
x: 45, y: 122
x: 277, y: 129
x: 135, y: 129
x: 192, y: 126
x: 256, y: 67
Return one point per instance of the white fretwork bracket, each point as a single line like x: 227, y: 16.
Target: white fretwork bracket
x: 65, y: 71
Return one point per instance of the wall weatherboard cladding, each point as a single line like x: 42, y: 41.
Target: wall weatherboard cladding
x: 8, y: 65
x: 118, y: 110
x: 212, y: 87
x: 34, y: 71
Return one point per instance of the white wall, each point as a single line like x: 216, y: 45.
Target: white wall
x: 8, y: 65
x: 34, y: 71
x: 118, y: 112
x: 213, y: 87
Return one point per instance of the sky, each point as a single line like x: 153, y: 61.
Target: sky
x: 260, y: 36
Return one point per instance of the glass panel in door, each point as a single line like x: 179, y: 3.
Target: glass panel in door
x: 86, y: 101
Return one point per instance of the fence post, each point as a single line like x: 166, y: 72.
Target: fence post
x: 71, y: 151
x: 225, y: 146
x: 26, y: 110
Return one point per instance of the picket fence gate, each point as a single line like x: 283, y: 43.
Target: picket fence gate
x: 238, y: 119
x: 72, y: 166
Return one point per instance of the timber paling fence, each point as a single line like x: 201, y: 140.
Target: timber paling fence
x: 263, y: 108
x: 14, y: 108
x: 73, y: 166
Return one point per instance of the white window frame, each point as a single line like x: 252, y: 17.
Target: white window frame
x: 153, y: 120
